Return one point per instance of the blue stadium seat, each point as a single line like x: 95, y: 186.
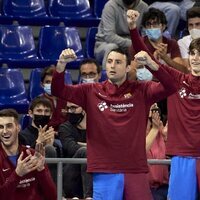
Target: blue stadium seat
x: 24, y: 8
x: 12, y: 90
x: 98, y: 7
x: 35, y: 88
x: 25, y: 11
x: 90, y: 42
x: 24, y: 121
x: 73, y: 12
x: 54, y: 39
x: 16, y: 44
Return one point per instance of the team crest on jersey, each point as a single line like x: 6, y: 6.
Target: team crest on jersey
x: 102, y: 106
x: 182, y: 92
x: 128, y: 95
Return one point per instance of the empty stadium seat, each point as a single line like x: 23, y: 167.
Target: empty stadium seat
x: 16, y: 44
x: 24, y: 8
x: 73, y: 12
x: 90, y: 42
x: 54, y: 39
x: 12, y: 90
x: 35, y: 88
x: 31, y: 12
x: 98, y: 7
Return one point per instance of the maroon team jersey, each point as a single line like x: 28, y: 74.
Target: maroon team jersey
x: 116, y: 119
x: 183, y: 109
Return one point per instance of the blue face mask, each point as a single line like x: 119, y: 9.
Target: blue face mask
x: 143, y: 74
x: 47, y: 88
x: 153, y: 33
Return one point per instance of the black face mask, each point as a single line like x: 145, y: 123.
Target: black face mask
x: 75, y: 118
x: 41, y: 120
x: 128, y: 2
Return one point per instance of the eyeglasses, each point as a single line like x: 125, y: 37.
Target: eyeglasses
x: 153, y: 24
x: 89, y: 75
x: 72, y: 109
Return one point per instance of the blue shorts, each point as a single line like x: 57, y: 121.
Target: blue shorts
x: 183, y: 179
x: 108, y: 186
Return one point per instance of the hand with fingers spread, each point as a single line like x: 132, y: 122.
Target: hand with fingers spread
x: 143, y: 58
x: 66, y: 56
x: 40, y: 156
x: 45, y: 136
x: 26, y: 165
x: 132, y: 17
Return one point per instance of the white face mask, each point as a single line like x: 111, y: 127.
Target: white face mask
x: 47, y: 88
x: 195, y: 33
x: 88, y: 80
x: 144, y: 74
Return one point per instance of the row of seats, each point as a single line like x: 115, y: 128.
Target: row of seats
x: 17, y: 45
x: 34, y: 12
x: 13, y: 91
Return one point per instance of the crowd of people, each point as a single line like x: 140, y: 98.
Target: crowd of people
x: 148, y: 108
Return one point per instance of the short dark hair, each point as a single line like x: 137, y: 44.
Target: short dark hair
x: 154, y: 14
x: 47, y: 71
x: 123, y: 52
x: 40, y: 100
x: 193, y: 12
x: 9, y: 112
x: 194, y: 45
x: 91, y: 61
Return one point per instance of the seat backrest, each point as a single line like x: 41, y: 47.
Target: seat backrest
x: 24, y: 8
x: 54, y: 39
x: 35, y: 89
x: 69, y: 8
x: 16, y: 42
x: 98, y: 7
x: 90, y: 42
x: 12, y: 88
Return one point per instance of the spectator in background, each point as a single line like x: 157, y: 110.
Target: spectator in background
x: 193, y: 26
x: 23, y: 175
x: 156, y: 149
x: 72, y: 133
x: 57, y: 104
x: 174, y: 11
x: 89, y: 71
x: 183, y: 139
x: 76, y: 181
x: 40, y: 111
x: 165, y: 50
x: 112, y: 30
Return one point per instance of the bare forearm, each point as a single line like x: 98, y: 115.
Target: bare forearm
x: 150, y: 138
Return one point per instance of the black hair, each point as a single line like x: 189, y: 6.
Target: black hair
x: 40, y: 101
x: 123, y: 52
x: 193, y: 12
x: 9, y: 112
x: 47, y: 71
x: 154, y: 14
x: 91, y: 61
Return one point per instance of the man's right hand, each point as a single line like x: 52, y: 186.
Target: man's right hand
x: 132, y: 17
x: 26, y: 165
x: 66, y: 56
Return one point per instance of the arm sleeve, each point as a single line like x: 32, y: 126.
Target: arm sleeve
x: 68, y: 140
x: 47, y: 185
x: 167, y: 76
x: 73, y: 93
x: 110, y: 32
x: 8, y: 186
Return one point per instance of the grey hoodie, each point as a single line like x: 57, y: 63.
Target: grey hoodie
x: 113, y: 27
